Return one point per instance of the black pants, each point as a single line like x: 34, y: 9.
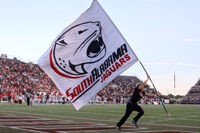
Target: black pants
x: 130, y: 107
x: 28, y: 101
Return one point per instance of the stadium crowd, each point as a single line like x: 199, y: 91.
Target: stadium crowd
x: 19, y: 80
x: 193, y: 95
x: 120, y: 90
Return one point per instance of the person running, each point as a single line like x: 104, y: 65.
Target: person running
x: 132, y: 105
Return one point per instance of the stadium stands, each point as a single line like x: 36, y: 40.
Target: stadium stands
x: 193, y: 95
x: 18, y: 78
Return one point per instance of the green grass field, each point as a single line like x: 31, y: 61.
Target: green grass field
x: 96, y: 118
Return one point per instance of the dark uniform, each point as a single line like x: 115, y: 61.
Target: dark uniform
x: 28, y: 97
x: 132, y: 105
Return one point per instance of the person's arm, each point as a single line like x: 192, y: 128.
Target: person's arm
x: 142, y: 85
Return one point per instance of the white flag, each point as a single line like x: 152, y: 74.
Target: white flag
x: 86, y: 56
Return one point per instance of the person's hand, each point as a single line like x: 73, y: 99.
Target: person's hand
x: 145, y: 82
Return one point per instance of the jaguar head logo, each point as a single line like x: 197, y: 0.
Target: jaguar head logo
x: 77, y: 49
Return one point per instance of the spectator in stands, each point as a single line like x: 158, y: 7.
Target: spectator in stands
x: 132, y: 105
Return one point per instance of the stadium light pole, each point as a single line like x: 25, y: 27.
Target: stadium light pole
x: 174, y: 83
x: 155, y: 89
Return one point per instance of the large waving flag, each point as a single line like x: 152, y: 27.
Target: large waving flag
x: 86, y: 56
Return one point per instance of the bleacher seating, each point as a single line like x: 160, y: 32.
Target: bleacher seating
x: 17, y: 77
x: 193, y: 95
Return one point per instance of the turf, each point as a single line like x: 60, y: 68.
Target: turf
x: 96, y: 118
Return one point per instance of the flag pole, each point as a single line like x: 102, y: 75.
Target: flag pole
x: 154, y: 88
